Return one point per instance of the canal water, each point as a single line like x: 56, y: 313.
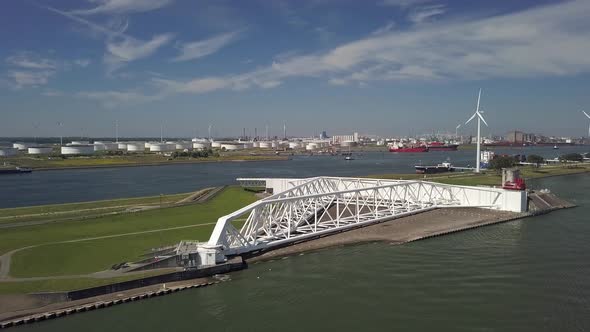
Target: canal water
x: 525, y: 275
x: 64, y: 186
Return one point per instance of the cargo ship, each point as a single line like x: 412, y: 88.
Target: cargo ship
x: 440, y: 168
x: 400, y: 147
x: 439, y: 146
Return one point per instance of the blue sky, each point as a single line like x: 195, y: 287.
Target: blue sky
x: 385, y: 67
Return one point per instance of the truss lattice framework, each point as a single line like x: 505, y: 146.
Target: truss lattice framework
x: 328, y: 204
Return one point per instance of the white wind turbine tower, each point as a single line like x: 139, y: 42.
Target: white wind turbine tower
x: 457, y: 130
x: 479, y: 119
x: 588, y: 116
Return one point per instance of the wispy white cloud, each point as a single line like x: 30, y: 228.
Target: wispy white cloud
x: 121, y: 6
x: 122, y: 51
x: 52, y: 93
x: 113, y: 99
x: 404, y: 3
x: 30, y: 61
x: 384, y: 29
x: 22, y: 78
x: 202, y: 48
x: 542, y: 41
x: 121, y: 48
x: 422, y: 14
x: 82, y: 62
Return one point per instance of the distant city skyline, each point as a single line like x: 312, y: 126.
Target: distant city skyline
x: 382, y: 67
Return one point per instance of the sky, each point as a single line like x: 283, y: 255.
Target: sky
x: 377, y: 67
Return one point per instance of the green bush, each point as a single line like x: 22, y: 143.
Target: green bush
x: 500, y: 162
x: 571, y: 157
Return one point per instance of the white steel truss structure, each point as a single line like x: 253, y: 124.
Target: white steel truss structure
x: 316, y: 206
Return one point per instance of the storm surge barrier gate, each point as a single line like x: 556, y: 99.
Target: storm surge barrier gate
x: 305, y: 208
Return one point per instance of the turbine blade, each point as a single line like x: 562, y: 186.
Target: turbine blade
x: 478, y: 98
x: 471, y: 118
x: 458, y: 126
x: 482, y: 119
x: 586, y: 114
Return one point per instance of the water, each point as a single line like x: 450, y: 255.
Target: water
x: 63, y: 186
x: 525, y: 275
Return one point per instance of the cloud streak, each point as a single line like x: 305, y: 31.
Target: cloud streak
x: 122, y: 6
x: 202, y: 48
x: 542, y: 41
x: 121, y: 48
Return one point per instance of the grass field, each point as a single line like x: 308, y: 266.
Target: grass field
x: 87, y: 256
x: 43, y: 212
x: 103, y: 160
x: 489, y: 178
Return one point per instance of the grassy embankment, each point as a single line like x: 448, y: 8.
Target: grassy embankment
x: 77, y: 258
x: 104, y: 160
x: 57, y: 212
x: 490, y: 178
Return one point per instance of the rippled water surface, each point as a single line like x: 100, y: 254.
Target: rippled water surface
x: 525, y: 275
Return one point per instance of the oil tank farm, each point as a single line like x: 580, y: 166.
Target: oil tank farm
x: 231, y: 146
x: 182, y: 146
x: 216, y: 144
x: 162, y: 147
x: 265, y: 145
x: 38, y: 150
x: 105, y: 146
x: 79, y: 143
x: 21, y: 146
x: 201, y: 145
x: 122, y: 146
x: 73, y: 150
x: 8, y: 152
x: 294, y: 145
x: 136, y: 146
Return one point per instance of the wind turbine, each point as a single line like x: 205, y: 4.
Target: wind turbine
x: 457, y: 130
x: 588, y: 116
x: 479, y: 119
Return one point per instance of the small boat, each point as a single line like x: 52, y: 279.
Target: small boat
x: 16, y: 170
x: 555, y: 147
x: 348, y: 158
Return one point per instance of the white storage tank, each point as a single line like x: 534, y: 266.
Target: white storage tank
x: 23, y: 146
x: 77, y: 149
x: 215, y: 144
x: 79, y: 143
x: 162, y: 147
x: 248, y: 145
x: 265, y: 145
x: 347, y: 143
x: 40, y: 150
x: 256, y: 144
x: 8, y: 152
x: 183, y: 146
x: 294, y: 145
x: 105, y: 146
x: 203, y: 145
x: 231, y: 146
x: 136, y: 147
x: 122, y: 146
x: 311, y: 146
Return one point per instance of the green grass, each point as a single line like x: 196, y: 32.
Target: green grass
x: 488, y: 178
x: 225, y: 202
x: 41, y: 212
x: 96, y: 255
x: 104, y: 160
x: 57, y: 285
